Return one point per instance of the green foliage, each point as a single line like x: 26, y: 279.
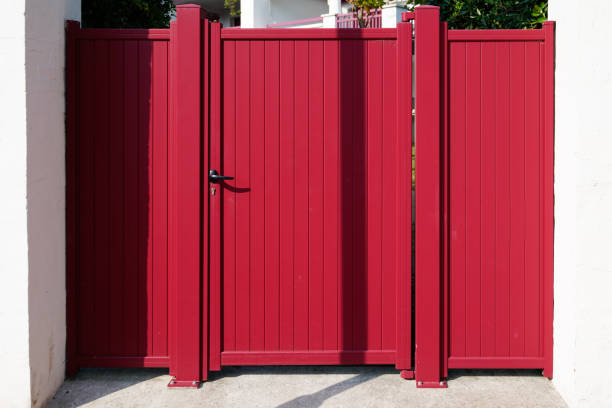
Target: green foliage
x: 127, y: 13
x: 233, y: 6
x: 493, y: 14
x: 367, y: 5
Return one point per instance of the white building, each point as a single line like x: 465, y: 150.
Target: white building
x: 261, y: 13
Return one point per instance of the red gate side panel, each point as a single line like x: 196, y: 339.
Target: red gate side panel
x: 347, y: 130
x: 131, y: 197
x: 517, y: 198
x: 117, y: 190
x: 300, y: 269
x: 159, y: 196
x: 287, y: 193
x: 502, y: 199
x: 359, y: 195
x: 85, y: 201
x: 121, y: 188
x: 331, y: 219
x: 457, y: 191
x: 374, y: 193
x: 315, y: 196
x: 487, y: 199
x: 389, y: 181
x: 472, y: 197
x: 101, y: 194
x: 533, y: 248
x: 496, y: 202
x: 272, y: 191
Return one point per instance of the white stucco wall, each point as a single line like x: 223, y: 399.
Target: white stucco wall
x: 32, y: 250
x: 583, y: 202
x: 14, y: 351
x: 259, y: 13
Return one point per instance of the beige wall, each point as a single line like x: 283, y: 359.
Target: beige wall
x: 44, y: 28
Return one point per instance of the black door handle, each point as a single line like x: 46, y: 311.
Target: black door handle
x: 215, y: 177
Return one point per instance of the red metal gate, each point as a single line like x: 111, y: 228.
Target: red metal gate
x: 304, y: 256
x: 314, y: 266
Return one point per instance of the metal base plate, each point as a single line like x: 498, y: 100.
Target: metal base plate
x: 432, y: 384
x: 183, y: 384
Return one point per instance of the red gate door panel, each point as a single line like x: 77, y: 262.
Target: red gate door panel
x: 309, y: 231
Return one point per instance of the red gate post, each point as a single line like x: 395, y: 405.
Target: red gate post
x: 186, y: 184
x: 428, y: 311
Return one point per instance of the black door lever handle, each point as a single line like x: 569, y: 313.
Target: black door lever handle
x: 215, y: 177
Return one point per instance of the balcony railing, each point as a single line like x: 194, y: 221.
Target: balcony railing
x: 342, y: 21
x: 350, y: 20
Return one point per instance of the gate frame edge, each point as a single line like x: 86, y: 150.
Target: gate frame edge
x: 428, y: 270
x: 548, y: 245
x: 71, y: 71
x: 404, y: 143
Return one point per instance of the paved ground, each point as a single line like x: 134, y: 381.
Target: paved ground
x: 305, y: 387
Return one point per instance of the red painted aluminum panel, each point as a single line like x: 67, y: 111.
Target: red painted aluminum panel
x: 117, y: 156
x: 403, y: 216
x: 500, y: 291
x: 310, y: 240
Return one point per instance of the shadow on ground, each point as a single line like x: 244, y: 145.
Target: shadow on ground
x: 91, y: 384
x: 455, y: 374
x: 306, y: 386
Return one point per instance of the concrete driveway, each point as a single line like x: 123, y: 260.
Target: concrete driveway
x: 374, y: 386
